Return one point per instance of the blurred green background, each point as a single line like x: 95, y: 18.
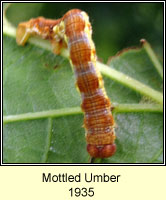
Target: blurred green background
x: 115, y: 25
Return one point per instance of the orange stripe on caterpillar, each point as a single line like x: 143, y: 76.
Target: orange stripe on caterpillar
x: 74, y: 31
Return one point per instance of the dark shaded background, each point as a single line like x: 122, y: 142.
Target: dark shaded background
x: 115, y: 25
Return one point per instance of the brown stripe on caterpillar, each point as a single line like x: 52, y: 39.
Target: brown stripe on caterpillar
x: 74, y: 30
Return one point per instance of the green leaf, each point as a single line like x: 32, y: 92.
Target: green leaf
x: 42, y: 118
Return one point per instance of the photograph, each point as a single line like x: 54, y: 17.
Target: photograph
x: 83, y: 83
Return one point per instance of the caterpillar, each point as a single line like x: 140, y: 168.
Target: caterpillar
x: 74, y: 31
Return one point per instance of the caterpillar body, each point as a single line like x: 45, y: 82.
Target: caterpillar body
x: 74, y: 31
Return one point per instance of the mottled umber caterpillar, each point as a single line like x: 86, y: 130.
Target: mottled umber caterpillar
x: 74, y: 31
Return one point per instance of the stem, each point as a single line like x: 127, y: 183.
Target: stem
x: 111, y: 73
x: 131, y: 83
x: 8, y: 28
x: 119, y: 108
x: 96, y: 160
x: 42, y: 114
x: 153, y: 57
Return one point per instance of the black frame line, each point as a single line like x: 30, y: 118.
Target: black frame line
x: 82, y: 164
